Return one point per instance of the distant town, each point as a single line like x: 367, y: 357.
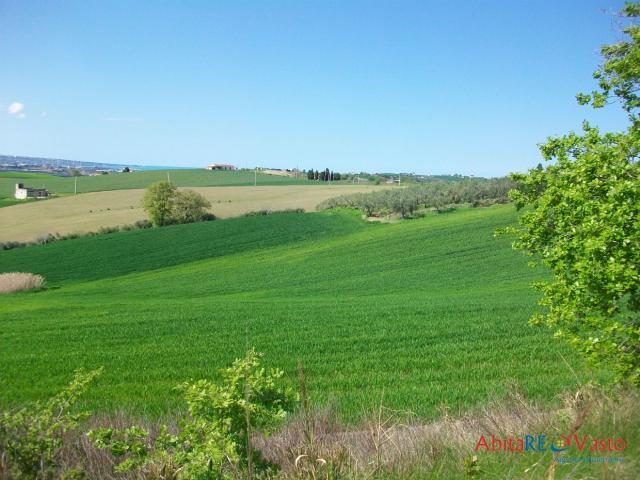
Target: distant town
x: 67, y: 168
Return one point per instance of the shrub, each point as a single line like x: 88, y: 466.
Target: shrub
x: 47, y: 238
x: 32, y: 437
x: 10, y: 245
x: 266, y: 211
x: 142, y: 224
x: 215, y: 439
x: 18, y: 281
x: 189, y: 206
x: 106, y: 230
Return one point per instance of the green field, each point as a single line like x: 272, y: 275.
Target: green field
x: 424, y: 312
x: 118, y: 181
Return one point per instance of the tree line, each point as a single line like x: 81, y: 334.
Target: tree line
x: 323, y: 175
x: 436, y: 195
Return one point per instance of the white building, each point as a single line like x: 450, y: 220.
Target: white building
x: 220, y: 166
x: 22, y: 192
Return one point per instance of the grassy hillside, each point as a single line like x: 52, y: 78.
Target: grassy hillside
x: 424, y: 312
x: 119, y: 181
x: 24, y: 175
x: 90, y: 211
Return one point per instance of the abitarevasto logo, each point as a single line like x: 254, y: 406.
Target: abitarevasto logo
x: 562, y: 444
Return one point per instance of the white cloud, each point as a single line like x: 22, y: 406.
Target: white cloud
x: 22, y: 116
x: 44, y: 114
x: 15, y: 107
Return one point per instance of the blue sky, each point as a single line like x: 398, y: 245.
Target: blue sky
x: 430, y: 87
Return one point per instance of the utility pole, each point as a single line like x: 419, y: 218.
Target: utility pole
x: 168, y: 178
x: 75, y: 185
x: 255, y: 177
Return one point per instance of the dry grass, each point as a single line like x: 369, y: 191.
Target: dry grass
x: 90, y: 211
x: 386, y: 446
x: 17, y: 282
x: 316, y: 445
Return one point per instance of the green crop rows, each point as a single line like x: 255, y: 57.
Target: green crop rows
x: 118, y: 181
x: 422, y: 312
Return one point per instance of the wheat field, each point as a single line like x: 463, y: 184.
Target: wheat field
x: 89, y: 211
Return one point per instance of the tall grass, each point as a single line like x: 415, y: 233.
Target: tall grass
x: 383, y: 447
x: 19, y: 281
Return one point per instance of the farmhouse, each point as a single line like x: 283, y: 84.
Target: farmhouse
x: 220, y: 166
x: 22, y: 192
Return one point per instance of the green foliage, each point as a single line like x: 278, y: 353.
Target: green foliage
x: 31, y: 437
x: 581, y: 218
x: 323, y: 175
x: 189, y: 206
x: 213, y: 438
x: 619, y: 76
x: 429, y: 311
x: 436, y: 194
x: 158, y: 202
x: 165, y: 205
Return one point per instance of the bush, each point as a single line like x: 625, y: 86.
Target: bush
x: 189, y: 206
x: 47, y: 238
x: 266, y: 211
x: 215, y: 439
x: 16, y: 282
x: 32, y: 437
x: 142, y: 224
x: 10, y: 245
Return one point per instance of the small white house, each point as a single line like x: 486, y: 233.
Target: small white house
x: 220, y: 166
x: 22, y: 192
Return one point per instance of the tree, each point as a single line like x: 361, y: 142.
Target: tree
x: 158, y: 202
x: 189, y: 206
x: 581, y: 218
x: 310, y: 174
x: 166, y: 205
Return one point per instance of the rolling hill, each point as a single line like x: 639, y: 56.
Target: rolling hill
x: 421, y: 312
x: 119, y: 181
x: 89, y: 211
